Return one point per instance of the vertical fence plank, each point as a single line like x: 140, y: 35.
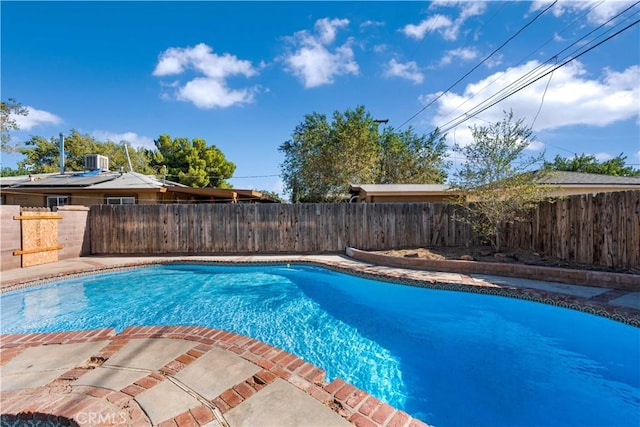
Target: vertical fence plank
x: 602, y: 229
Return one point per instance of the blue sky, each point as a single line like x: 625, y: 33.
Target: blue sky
x: 242, y: 75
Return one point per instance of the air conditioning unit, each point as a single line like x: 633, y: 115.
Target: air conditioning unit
x: 95, y: 162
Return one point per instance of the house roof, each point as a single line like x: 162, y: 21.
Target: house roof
x: 405, y: 189
x: 114, y: 181
x: 564, y: 178
x: 104, y: 180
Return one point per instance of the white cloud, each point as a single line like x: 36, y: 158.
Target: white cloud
x: 601, y: 13
x: 326, y: 29
x: 206, y: 93
x: 535, y: 145
x: 448, y: 28
x: 433, y: 23
x: 464, y: 53
x: 494, y: 61
x: 603, y: 157
x: 407, y: 71
x: 35, y: 118
x: 370, y: 23
x: 312, y: 61
x: 212, y: 90
x: 136, y: 141
x: 380, y: 48
x: 571, y: 99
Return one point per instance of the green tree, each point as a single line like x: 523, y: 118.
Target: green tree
x: 7, y: 171
x: 589, y: 164
x: 323, y: 158
x: 192, y: 162
x: 407, y: 158
x: 43, y: 155
x: 303, y: 170
x: 496, y: 182
x: 8, y: 110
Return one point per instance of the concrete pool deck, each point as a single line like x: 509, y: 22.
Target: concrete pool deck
x: 190, y: 375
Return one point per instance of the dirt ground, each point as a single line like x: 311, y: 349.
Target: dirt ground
x: 486, y: 254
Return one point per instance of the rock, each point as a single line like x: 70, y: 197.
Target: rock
x: 411, y: 255
x: 466, y: 258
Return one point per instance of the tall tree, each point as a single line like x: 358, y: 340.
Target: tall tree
x: 322, y: 158
x: 43, y: 155
x: 192, y: 162
x: 496, y: 181
x: 589, y: 164
x: 303, y: 171
x: 8, y: 111
x: 407, y: 158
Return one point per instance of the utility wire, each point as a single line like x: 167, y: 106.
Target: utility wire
x: 539, y: 67
x: 530, y: 54
x: 479, y: 64
x: 466, y: 116
x: 533, y: 122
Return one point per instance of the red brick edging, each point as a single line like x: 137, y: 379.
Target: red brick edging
x: 603, y: 279
x: 66, y: 401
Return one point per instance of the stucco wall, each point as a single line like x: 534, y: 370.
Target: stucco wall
x: 9, y: 237
x: 73, y: 231
x: 73, y: 234
x: 407, y: 199
x: 82, y: 198
x: 26, y: 200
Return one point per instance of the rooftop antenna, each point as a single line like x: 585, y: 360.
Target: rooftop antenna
x: 128, y: 158
x: 61, y: 153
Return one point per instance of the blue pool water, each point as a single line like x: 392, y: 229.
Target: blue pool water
x: 448, y: 358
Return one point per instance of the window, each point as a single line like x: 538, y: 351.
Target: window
x: 121, y: 200
x: 54, y: 201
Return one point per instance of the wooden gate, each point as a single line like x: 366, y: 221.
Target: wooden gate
x: 39, y: 236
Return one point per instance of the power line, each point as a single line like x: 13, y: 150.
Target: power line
x: 541, y: 101
x: 549, y: 40
x: 531, y: 72
x: 479, y: 64
x: 466, y: 116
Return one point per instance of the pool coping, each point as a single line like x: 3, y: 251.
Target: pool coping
x: 605, y: 279
x: 59, y: 399
x: 375, y: 266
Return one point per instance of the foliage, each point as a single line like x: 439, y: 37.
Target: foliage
x: 322, y: 158
x: 8, y: 110
x: 589, y: 164
x: 495, y: 182
x: 271, y: 194
x: 43, y: 155
x: 7, y: 171
x: 192, y: 162
x: 406, y: 158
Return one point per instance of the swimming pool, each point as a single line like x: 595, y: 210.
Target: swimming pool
x: 448, y: 358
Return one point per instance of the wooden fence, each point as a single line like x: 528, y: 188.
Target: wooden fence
x: 272, y: 228
x: 602, y: 229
